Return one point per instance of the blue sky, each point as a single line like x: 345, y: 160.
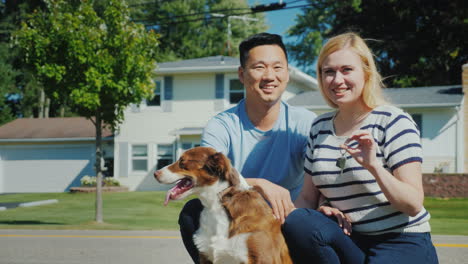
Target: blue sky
x: 280, y: 20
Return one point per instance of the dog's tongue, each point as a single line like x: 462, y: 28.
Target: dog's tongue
x: 170, y: 193
x: 182, y: 186
x: 168, y: 196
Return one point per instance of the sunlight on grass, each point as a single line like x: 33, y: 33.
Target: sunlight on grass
x: 145, y: 211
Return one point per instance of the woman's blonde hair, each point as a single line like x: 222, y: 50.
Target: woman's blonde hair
x: 372, y: 94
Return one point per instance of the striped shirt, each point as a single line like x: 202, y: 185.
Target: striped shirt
x: 356, y: 192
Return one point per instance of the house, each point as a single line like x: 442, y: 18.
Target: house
x: 51, y: 155
x: 188, y: 93
x: 437, y: 110
x: 48, y: 155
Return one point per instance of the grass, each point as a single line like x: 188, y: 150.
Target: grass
x: 121, y: 210
x: 145, y: 211
x: 448, y: 216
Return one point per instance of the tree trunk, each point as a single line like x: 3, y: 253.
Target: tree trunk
x: 62, y: 111
x: 47, y: 108
x: 40, y: 113
x: 98, y: 166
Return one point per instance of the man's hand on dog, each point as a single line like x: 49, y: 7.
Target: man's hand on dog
x: 277, y: 196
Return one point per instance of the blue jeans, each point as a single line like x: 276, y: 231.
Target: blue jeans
x: 313, y: 237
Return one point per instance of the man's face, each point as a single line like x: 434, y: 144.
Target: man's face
x: 265, y: 74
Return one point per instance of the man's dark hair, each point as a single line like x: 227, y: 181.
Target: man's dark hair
x: 259, y: 40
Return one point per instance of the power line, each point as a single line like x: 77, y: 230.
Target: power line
x: 207, y: 15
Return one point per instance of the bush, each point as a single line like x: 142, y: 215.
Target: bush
x: 90, y: 181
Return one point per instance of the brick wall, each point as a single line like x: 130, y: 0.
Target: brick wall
x: 445, y: 185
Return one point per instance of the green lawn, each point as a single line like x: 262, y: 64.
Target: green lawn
x: 145, y: 211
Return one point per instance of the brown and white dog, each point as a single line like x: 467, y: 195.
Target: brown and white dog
x: 236, y: 224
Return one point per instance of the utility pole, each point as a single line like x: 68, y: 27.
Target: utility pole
x: 229, y: 33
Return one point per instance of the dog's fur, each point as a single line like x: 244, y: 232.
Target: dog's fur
x: 236, y: 224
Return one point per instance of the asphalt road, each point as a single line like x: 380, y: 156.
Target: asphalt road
x: 136, y: 247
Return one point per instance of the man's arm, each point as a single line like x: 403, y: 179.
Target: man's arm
x: 215, y: 135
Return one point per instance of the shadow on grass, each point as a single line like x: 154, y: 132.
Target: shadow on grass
x: 26, y: 222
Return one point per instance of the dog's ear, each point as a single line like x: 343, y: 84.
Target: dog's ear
x: 226, y: 195
x: 217, y: 165
x: 233, y: 177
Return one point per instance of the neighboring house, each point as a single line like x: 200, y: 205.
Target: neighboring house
x: 437, y: 110
x: 48, y: 155
x: 51, y: 155
x: 188, y: 93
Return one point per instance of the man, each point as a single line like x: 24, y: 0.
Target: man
x: 264, y: 138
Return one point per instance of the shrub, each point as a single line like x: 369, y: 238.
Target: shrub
x: 90, y: 181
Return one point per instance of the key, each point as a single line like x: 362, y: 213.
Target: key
x: 341, y: 161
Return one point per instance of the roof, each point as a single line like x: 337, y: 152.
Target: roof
x: 433, y: 96
x: 188, y: 131
x: 206, y: 64
x: 223, y: 64
x: 69, y: 128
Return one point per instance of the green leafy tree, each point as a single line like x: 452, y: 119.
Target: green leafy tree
x: 95, y: 61
x: 19, y: 84
x: 416, y: 43
x: 7, y: 81
x: 197, y: 28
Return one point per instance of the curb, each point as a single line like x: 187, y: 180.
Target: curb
x: 36, y: 203
x: 6, y: 206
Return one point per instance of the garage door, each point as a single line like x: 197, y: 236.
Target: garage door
x: 45, y: 168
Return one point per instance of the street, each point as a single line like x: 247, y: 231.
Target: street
x: 135, y: 247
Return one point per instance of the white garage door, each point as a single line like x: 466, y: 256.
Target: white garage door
x: 45, y: 168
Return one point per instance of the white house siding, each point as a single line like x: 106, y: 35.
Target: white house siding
x: 44, y: 167
x: 193, y: 104
x: 440, y: 130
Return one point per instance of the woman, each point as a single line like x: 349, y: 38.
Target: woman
x: 365, y: 159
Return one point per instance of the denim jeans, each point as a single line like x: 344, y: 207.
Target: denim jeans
x: 313, y: 237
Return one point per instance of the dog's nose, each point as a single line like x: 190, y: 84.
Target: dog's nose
x: 157, y: 174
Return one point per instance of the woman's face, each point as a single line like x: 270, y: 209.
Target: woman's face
x: 343, y: 77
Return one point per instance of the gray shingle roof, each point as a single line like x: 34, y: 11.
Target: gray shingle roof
x: 433, y: 96
x: 206, y: 62
x: 201, y: 62
x: 48, y: 128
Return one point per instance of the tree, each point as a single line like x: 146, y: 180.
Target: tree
x: 194, y: 29
x: 19, y: 85
x: 417, y: 43
x: 95, y: 61
x: 7, y: 80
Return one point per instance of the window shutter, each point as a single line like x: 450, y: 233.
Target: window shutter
x: 124, y: 159
x: 219, y: 84
x: 168, y: 94
x: 168, y: 87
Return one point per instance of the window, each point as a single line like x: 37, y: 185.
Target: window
x: 165, y: 156
x: 156, y: 100
x: 189, y: 145
x: 418, y: 120
x: 236, y: 91
x: 139, y: 158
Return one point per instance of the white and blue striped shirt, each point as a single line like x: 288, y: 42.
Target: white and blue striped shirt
x: 356, y: 192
